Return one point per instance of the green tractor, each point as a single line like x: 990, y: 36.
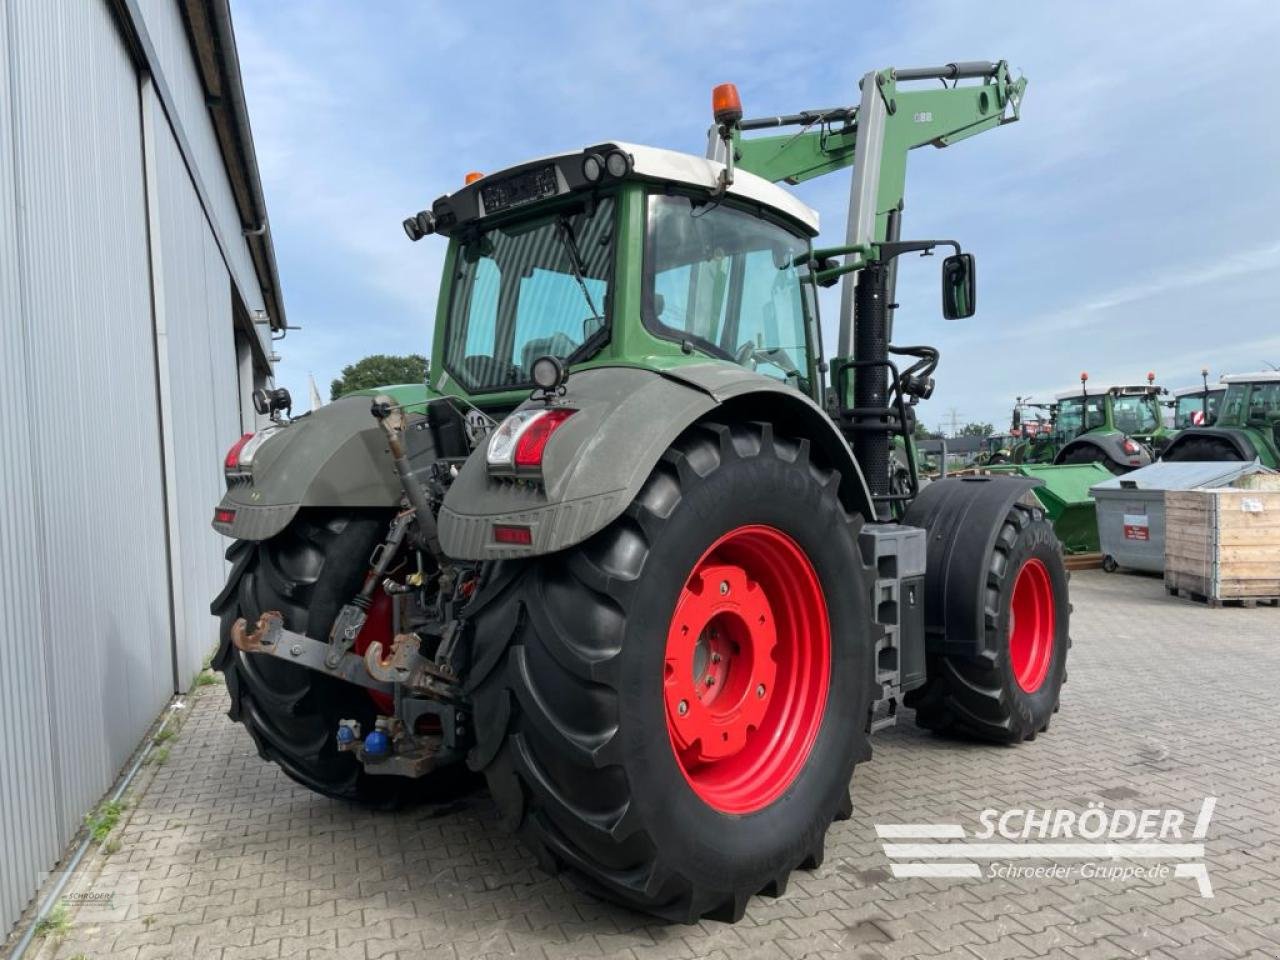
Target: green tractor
x: 1247, y: 425
x: 1197, y: 406
x: 638, y: 553
x: 995, y: 450
x: 1032, y: 430
x: 1120, y: 427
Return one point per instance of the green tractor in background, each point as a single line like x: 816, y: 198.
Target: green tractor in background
x: 1120, y: 427
x: 638, y: 553
x: 1197, y: 406
x: 1247, y: 425
x: 1033, y: 435
x: 996, y: 449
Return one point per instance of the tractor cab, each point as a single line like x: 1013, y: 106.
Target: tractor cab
x: 1247, y: 425
x: 1196, y: 406
x: 1119, y: 426
x: 619, y: 253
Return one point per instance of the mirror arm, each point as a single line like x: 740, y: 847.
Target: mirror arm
x: 887, y: 251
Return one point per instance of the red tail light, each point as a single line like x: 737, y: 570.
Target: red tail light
x: 232, y: 459
x: 1130, y: 447
x: 222, y: 515
x: 516, y: 536
x: 533, y: 439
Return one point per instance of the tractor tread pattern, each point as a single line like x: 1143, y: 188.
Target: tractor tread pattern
x: 965, y: 695
x: 582, y: 819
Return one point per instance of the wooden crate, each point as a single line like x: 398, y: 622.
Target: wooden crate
x: 1222, y: 545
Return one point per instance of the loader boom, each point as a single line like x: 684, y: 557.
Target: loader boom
x: 874, y: 139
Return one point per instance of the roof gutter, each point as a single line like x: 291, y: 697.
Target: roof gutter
x: 213, y: 41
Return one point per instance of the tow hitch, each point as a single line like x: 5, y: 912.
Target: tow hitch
x: 422, y: 689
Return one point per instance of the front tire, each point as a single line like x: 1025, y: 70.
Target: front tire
x: 1011, y: 694
x: 651, y: 790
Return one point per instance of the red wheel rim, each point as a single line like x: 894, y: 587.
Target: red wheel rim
x: 1031, y: 625
x: 748, y: 660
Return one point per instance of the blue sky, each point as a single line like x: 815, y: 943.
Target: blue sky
x: 1130, y: 222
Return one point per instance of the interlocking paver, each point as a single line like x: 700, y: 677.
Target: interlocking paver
x: 223, y: 857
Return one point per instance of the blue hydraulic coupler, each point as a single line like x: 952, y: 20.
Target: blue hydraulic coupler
x: 346, y: 735
x: 376, y: 744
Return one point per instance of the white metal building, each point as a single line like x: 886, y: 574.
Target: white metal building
x: 138, y: 296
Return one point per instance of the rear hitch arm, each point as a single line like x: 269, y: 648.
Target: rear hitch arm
x: 269, y: 636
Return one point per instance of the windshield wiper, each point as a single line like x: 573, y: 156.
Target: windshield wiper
x: 576, y: 263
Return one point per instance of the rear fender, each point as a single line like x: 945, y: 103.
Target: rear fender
x: 1111, y: 445
x: 1237, y: 440
x: 963, y: 516
x: 597, y: 461
x: 336, y: 456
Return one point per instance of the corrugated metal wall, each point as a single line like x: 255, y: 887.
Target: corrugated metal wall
x: 29, y: 824
x: 193, y: 311
x: 164, y: 24
x: 90, y: 219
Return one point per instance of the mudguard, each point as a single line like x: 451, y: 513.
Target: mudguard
x: 335, y: 456
x: 963, y: 516
x: 1112, y: 447
x: 596, y: 462
x: 1237, y: 440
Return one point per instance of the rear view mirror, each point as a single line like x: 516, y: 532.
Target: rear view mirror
x: 958, y: 286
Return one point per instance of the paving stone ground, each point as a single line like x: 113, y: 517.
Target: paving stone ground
x: 1168, y: 702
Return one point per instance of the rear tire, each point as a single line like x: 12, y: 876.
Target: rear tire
x: 573, y: 671
x: 1209, y: 449
x: 1011, y: 695
x: 307, y: 572
x: 1090, y: 454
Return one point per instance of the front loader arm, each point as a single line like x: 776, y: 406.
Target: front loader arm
x: 941, y: 116
x: 873, y: 139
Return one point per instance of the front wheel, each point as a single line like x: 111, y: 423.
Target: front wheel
x: 672, y: 711
x: 1012, y: 691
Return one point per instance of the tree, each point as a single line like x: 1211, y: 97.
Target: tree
x: 977, y: 430
x: 379, y: 370
x: 924, y: 433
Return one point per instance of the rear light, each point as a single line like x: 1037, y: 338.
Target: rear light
x: 534, y: 437
x: 515, y: 536
x: 224, y: 516
x: 232, y: 459
x: 521, y: 439
x: 240, y: 456
x: 1131, y: 448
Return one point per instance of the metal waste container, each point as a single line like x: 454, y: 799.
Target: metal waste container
x: 1130, y: 508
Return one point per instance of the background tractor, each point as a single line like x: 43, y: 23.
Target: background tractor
x: 1032, y: 426
x: 639, y: 553
x: 1197, y: 406
x: 1247, y: 425
x: 1120, y: 427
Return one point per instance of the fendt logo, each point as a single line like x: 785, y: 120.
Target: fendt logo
x: 1096, y: 843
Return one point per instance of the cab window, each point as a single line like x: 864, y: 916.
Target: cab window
x: 726, y: 280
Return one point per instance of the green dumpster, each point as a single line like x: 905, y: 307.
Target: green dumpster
x: 1065, y: 497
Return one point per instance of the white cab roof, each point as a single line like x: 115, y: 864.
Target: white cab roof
x: 1265, y: 376
x: 686, y: 168
x: 1184, y: 391
x: 1099, y: 390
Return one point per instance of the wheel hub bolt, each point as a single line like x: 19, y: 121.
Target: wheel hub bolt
x: 760, y: 691
x: 711, y: 681
x: 724, y: 587
x: 683, y: 708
